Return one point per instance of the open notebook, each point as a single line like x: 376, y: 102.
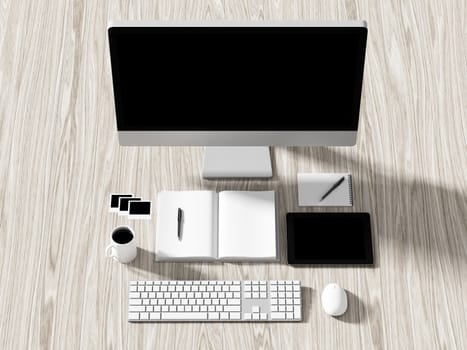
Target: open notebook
x: 230, y: 225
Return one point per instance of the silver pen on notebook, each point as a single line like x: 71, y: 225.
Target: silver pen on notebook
x: 179, y: 223
x: 341, y: 180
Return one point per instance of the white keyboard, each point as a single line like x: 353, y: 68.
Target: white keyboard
x: 218, y: 301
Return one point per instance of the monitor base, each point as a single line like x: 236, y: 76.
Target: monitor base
x: 237, y: 162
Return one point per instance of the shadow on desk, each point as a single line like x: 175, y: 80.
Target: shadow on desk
x: 145, y: 261
x: 356, y: 310
x: 412, y: 218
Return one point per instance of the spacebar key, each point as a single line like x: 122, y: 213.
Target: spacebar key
x: 184, y: 316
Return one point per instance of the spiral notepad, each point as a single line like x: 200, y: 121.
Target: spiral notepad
x: 312, y: 186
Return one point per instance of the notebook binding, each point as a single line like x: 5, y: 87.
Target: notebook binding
x: 350, y: 189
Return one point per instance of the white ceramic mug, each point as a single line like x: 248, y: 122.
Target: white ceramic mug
x: 123, y: 246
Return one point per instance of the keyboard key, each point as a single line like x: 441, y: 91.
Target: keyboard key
x: 136, y: 302
x: 213, y: 315
x: 184, y: 316
x: 233, y: 301
x: 224, y: 316
x: 144, y: 316
x: 154, y: 316
x: 297, y: 312
x: 232, y: 308
x: 133, y: 316
x: 247, y: 316
x: 277, y: 315
x: 136, y: 308
x: 235, y: 315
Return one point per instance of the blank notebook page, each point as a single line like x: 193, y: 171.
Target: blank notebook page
x: 247, y: 225
x: 199, y: 228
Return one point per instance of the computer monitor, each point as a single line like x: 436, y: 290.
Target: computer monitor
x: 237, y: 84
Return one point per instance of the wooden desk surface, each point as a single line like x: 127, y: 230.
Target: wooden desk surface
x: 60, y: 159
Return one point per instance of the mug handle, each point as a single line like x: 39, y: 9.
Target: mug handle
x: 109, y: 248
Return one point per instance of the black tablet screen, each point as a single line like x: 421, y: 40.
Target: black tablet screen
x: 329, y: 238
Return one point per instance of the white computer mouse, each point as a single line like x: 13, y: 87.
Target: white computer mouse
x: 334, y: 300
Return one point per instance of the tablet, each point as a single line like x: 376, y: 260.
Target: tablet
x: 329, y: 238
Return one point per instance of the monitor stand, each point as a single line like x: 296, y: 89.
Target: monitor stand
x: 237, y: 162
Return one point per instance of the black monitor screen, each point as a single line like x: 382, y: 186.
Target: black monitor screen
x: 237, y: 78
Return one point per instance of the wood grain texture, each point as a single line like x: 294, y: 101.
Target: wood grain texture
x: 60, y: 159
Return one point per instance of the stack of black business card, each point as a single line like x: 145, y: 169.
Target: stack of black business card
x: 129, y: 205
